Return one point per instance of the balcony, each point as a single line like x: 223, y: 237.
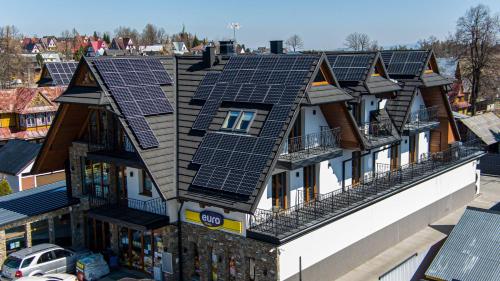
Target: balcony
x: 311, y: 148
x: 111, y: 151
x: 424, y: 119
x: 379, y: 132
x: 136, y: 214
x: 277, y: 226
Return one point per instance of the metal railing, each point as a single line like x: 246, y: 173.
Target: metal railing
x: 280, y: 223
x: 376, y: 129
x: 303, y: 146
x: 156, y: 206
x: 108, y: 144
x: 422, y: 118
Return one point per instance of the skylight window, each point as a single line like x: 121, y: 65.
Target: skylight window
x: 238, y: 120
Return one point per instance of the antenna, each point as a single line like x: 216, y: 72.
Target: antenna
x: 234, y: 26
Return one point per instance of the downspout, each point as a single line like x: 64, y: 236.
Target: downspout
x: 179, y: 241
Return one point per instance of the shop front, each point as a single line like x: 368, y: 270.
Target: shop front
x: 127, y: 237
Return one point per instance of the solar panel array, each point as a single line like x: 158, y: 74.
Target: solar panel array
x: 253, y: 79
x: 61, y: 72
x: 233, y: 162
x: 351, y: 67
x: 405, y: 62
x: 134, y: 84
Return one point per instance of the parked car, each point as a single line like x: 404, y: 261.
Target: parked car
x: 39, y: 260
x: 50, y: 277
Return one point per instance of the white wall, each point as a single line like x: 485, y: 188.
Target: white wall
x: 369, y: 103
x: 312, y: 120
x: 405, y: 150
x: 423, y: 143
x: 296, y: 187
x: 418, y: 102
x: 266, y: 200
x: 133, y: 185
x: 328, y: 240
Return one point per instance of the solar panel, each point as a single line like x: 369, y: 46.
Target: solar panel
x: 272, y: 129
x: 351, y: 67
x: 61, y: 72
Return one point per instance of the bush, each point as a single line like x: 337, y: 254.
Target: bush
x: 5, y: 188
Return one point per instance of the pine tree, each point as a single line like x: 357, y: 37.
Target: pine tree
x: 5, y: 188
x: 196, y: 41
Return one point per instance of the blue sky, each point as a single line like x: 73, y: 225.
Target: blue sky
x: 322, y: 24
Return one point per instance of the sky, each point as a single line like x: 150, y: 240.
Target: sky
x: 322, y: 24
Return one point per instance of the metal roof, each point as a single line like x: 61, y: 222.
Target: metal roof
x: 16, y: 155
x: 33, y: 202
x: 471, y: 251
x: 485, y: 126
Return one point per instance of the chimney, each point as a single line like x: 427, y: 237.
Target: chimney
x: 226, y: 48
x: 209, y: 56
x: 277, y: 47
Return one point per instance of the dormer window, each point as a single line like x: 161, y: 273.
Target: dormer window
x: 238, y: 120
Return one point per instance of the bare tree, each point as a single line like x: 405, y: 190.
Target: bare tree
x: 294, y: 42
x: 66, y: 36
x: 477, y: 33
x: 11, y: 61
x: 149, y: 35
x: 357, y: 41
x: 162, y: 35
x: 123, y: 31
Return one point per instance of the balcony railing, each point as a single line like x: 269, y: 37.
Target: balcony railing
x: 377, y: 130
x: 156, y: 206
x: 111, y: 145
x: 283, y: 223
x: 422, y: 118
x: 311, y: 144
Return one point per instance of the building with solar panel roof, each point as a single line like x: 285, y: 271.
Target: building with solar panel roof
x: 247, y: 167
x: 57, y: 73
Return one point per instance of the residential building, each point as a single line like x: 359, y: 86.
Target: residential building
x: 50, y: 57
x: 16, y: 161
x: 27, y: 113
x: 40, y: 215
x: 96, y: 48
x: 57, y: 74
x: 258, y: 167
x: 471, y: 251
x: 122, y: 43
x: 179, y: 48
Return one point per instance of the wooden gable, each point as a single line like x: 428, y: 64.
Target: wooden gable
x: 39, y: 100
x: 84, y: 77
x: 378, y: 68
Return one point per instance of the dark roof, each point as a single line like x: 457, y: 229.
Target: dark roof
x: 192, y: 71
x: 471, y: 251
x: 326, y: 94
x: 33, y: 202
x: 129, y: 217
x: 354, y: 70
x: 16, y: 155
x: 57, y: 73
x: 399, y: 107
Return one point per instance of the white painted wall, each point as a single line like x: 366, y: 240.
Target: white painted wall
x: 350, y: 229
x: 296, y: 187
x: 368, y: 104
x: 312, y: 120
x: 133, y: 185
x: 404, y: 149
x: 266, y: 200
x: 423, y: 143
x: 418, y: 102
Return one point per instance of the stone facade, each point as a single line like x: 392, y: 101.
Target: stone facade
x: 228, y: 248
x: 76, y: 152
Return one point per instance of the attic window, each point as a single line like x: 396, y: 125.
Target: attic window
x: 238, y: 120
x: 376, y: 72
x: 429, y: 69
x: 320, y: 79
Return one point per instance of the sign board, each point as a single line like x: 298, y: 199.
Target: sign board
x: 214, y: 220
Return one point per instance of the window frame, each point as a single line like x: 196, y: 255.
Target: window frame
x: 144, y: 191
x: 238, y: 121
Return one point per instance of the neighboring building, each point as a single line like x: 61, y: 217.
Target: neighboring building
x: 198, y: 50
x: 179, y: 48
x: 50, y: 57
x: 151, y: 50
x: 27, y: 113
x: 472, y: 250
x: 96, y: 48
x: 57, y: 74
x: 40, y: 215
x: 258, y: 167
x: 16, y: 161
x: 122, y: 43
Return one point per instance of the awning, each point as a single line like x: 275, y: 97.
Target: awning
x: 128, y: 217
x: 327, y: 94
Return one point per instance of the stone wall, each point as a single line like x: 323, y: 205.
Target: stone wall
x: 226, y: 246
x: 76, y: 152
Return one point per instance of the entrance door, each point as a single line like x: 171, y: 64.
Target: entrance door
x: 279, y: 189
x: 356, y: 167
x: 99, y: 238
x: 413, y: 149
x: 394, y: 157
x: 310, y: 183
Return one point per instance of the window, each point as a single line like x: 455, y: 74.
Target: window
x: 62, y: 254
x: 95, y: 178
x: 147, y: 184
x: 49, y: 118
x: 30, y: 120
x: 46, y: 257
x: 27, y: 262
x: 238, y: 120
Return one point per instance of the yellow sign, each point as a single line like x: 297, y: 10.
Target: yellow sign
x: 228, y: 224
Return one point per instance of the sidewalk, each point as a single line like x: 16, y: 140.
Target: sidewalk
x: 422, y: 240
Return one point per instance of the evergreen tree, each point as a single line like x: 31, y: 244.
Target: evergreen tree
x: 106, y: 38
x: 196, y: 41
x: 95, y: 35
x: 5, y: 188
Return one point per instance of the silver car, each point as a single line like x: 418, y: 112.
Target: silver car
x: 38, y: 260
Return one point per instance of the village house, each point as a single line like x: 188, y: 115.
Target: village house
x: 240, y: 167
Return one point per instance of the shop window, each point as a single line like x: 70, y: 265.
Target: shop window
x: 39, y: 232
x: 147, y: 184
x: 62, y: 228
x: 96, y: 178
x: 15, y: 239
